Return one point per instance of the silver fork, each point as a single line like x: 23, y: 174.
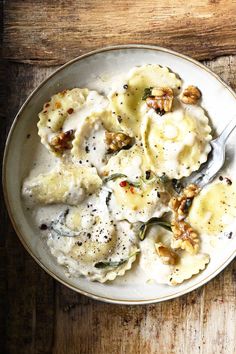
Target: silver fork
x: 215, y: 159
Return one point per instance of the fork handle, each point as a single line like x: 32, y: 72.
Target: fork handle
x: 227, y: 131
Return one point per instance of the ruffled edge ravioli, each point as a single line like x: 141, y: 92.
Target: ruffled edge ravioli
x: 185, y: 268
x: 91, y: 151
x: 101, y: 277
x: 140, y: 203
x: 65, y: 112
x: 177, y: 143
x: 188, y: 266
x: 57, y: 110
x: 126, y: 101
x: 69, y: 242
x: 65, y: 184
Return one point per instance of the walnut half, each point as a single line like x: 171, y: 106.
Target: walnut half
x: 117, y: 141
x: 181, y: 204
x: 184, y: 237
x: 183, y: 234
x: 166, y: 254
x: 161, y: 99
x: 190, y: 95
x: 62, y: 141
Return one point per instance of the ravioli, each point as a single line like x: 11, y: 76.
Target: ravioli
x: 215, y: 206
x: 177, y: 143
x: 89, y: 145
x: 188, y: 266
x: 87, y: 242
x: 64, y: 113
x: 126, y: 101
x: 152, y: 264
x: 66, y: 184
x: 132, y: 196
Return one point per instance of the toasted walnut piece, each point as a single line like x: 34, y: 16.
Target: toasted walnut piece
x: 191, y: 191
x: 153, y: 103
x: 161, y: 99
x: 117, y: 141
x: 184, y: 237
x: 166, y: 254
x: 181, y: 204
x: 62, y: 141
x: 190, y: 95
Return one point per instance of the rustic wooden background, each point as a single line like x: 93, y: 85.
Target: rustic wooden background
x: 39, y: 315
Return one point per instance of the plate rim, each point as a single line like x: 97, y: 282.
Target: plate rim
x: 8, y: 205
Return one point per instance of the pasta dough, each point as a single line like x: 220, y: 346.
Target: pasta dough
x: 67, y: 184
x: 126, y: 101
x: 177, y: 143
x: 133, y: 197
x: 89, y: 243
x: 65, y: 112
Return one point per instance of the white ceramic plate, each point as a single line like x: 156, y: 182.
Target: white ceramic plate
x: 94, y: 70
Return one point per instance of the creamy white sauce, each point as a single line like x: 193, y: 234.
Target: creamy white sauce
x: 94, y: 103
x: 62, y: 246
x: 99, y: 238
x: 95, y: 147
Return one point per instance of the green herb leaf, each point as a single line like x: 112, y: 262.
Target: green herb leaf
x: 134, y: 184
x: 112, y: 264
x: 163, y: 179
x: 114, y: 176
x: 102, y: 265
x: 153, y: 221
x: 147, y: 93
x: 59, y: 228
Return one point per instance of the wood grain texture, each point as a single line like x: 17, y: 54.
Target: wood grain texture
x: 42, y: 316
x: 49, y: 32
x: 27, y: 296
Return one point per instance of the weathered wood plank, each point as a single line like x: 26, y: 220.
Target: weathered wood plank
x: 29, y: 302
x: 43, y: 316
x: 52, y: 32
x: 225, y: 67
x: 218, y: 314
x: 194, y: 323
x: 105, y: 328
x: 3, y: 217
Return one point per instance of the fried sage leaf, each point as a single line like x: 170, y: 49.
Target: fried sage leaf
x: 153, y: 221
x: 114, y: 176
x: 113, y: 264
x: 147, y: 93
x: 163, y: 179
x: 134, y: 184
x: 59, y: 227
x: 102, y: 265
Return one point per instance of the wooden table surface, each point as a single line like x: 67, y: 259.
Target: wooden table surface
x: 39, y: 315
